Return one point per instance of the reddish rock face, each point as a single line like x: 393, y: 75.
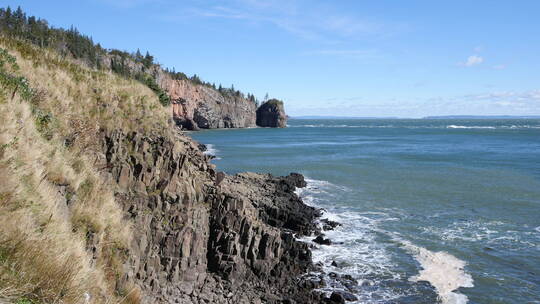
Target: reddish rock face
x: 198, y: 106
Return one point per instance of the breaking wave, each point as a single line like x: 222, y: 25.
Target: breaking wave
x: 442, y: 270
x: 358, y: 252
x: 211, y: 150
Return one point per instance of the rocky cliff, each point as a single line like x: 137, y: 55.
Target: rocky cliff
x: 204, y: 237
x: 103, y: 199
x: 195, y: 103
x: 201, y: 107
x: 272, y: 114
x: 196, y: 106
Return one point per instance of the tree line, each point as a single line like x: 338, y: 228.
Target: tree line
x: 70, y: 42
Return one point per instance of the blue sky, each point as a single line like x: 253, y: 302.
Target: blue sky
x: 350, y: 58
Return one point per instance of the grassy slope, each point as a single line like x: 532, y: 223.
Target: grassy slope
x: 53, y: 202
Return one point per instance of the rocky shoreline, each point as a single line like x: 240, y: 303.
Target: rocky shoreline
x: 202, y: 236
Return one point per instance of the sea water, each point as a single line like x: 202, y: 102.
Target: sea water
x: 433, y: 211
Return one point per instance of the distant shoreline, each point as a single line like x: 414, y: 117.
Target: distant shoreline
x: 426, y: 117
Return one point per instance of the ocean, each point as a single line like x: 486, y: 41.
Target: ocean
x: 433, y: 211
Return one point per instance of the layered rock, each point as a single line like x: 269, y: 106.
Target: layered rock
x: 202, y: 236
x: 196, y: 106
x: 272, y: 114
x: 201, y: 107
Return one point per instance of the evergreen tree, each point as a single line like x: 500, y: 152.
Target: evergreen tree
x: 138, y: 56
x: 9, y: 15
x: 148, y: 60
x: 70, y: 42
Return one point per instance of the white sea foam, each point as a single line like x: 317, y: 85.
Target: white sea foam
x: 354, y: 247
x: 469, y: 127
x: 442, y: 270
x: 359, y: 253
x: 211, y: 150
x: 494, y: 233
x: 418, y: 126
x: 471, y: 231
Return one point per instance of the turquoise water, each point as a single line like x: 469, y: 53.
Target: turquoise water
x: 455, y: 203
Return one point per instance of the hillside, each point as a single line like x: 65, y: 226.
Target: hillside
x: 194, y: 104
x: 103, y: 200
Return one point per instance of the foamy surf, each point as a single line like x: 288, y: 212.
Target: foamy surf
x: 358, y: 253
x: 355, y: 248
x: 211, y: 150
x: 498, y: 127
x: 469, y: 127
x: 443, y: 271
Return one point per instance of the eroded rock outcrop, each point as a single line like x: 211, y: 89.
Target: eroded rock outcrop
x: 197, y: 106
x: 272, y: 114
x: 202, y: 107
x: 202, y: 236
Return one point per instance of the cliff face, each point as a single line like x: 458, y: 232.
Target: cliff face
x: 201, y: 107
x: 272, y: 114
x: 203, y: 237
x: 103, y: 200
x: 195, y: 106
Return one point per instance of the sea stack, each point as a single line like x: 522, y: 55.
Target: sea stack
x: 272, y: 114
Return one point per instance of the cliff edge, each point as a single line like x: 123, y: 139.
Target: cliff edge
x: 103, y: 199
x: 205, y: 237
x: 201, y: 107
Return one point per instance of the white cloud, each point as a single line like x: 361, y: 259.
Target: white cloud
x: 314, y: 22
x: 473, y: 60
x: 487, y: 103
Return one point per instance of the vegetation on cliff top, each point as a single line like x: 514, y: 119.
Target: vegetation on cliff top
x: 275, y: 102
x: 72, y: 43
x: 56, y: 207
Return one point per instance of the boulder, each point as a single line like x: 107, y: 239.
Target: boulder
x: 329, y: 225
x: 321, y: 240
x: 342, y: 296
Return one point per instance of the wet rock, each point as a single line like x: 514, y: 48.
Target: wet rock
x: 202, y: 147
x: 346, y: 296
x: 321, y: 240
x: 336, y: 298
x: 329, y: 225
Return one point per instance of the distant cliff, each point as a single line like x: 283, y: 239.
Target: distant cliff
x: 197, y: 106
x: 194, y: 104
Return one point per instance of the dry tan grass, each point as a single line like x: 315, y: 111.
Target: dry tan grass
x: 40, y: 256
x: 53, y: 203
